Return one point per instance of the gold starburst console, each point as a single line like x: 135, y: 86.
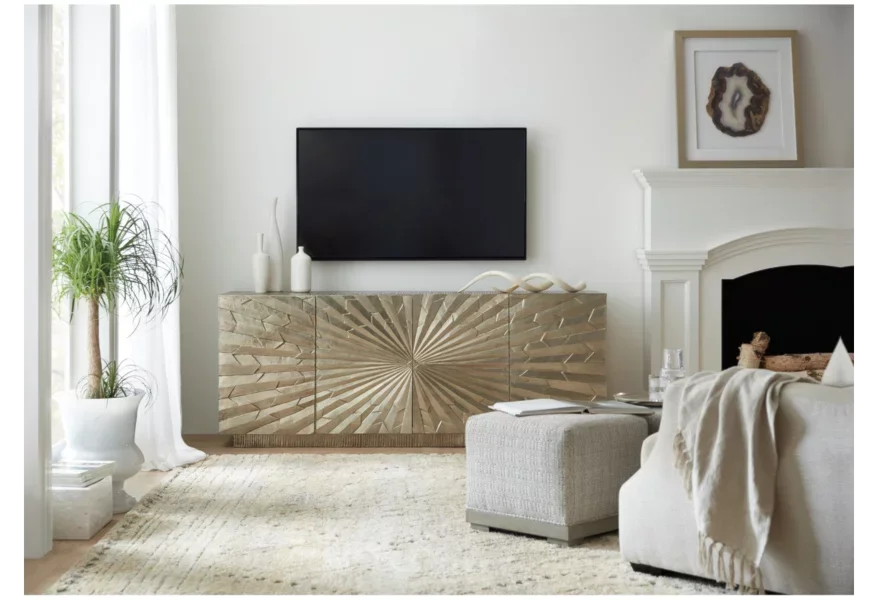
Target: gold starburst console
x: 397, y: 369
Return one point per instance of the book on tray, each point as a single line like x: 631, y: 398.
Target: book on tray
x: 80, y: 473
x: 527, y: 408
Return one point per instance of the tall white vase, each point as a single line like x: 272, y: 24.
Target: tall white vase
x: 261, y: 266
x: 275, y: 253
x: 300, y: 271
x: 103, y: 429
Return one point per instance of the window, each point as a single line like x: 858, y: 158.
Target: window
x: 60, y: 197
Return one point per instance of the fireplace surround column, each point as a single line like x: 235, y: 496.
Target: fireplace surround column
x: 672, y: 285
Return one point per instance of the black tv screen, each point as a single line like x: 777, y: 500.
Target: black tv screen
x: 412, y: 193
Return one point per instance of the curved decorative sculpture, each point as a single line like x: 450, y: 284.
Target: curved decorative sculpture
x: 522, y: 283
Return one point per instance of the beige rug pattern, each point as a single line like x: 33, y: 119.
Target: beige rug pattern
x: 337, y: 524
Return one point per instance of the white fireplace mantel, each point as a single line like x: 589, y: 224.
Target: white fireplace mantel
x: 705, y: 225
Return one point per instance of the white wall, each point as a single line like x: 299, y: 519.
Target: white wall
x: 593, y: 85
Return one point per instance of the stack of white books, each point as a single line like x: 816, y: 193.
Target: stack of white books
x: 80, y: 473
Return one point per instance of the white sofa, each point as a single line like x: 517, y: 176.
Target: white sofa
x: 811, y: 545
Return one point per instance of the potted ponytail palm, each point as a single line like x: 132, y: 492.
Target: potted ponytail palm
x: 120, y: 261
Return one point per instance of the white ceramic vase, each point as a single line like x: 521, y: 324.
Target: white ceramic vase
x: 275, y: 253
x: 300, y: 271
x: 261, y: 266
x: 103, y: 429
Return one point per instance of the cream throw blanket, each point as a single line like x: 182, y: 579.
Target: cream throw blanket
x: 726, y: 454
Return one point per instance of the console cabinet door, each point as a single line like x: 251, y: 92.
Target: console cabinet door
x: 266, y: 364
x: 557, y: 346
x: 364, y: 364
x: 460, y: 358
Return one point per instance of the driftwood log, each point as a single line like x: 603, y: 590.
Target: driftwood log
x: 751, y: 354
x: 798, y: 362
x: 815, y: 374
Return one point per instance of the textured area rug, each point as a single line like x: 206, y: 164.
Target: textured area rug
x: 337, y: 524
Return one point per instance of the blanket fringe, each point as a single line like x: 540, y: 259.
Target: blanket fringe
x: 727, y: 565
x: 723, y: 564
x: 683, y: 462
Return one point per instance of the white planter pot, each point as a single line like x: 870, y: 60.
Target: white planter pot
x: 103, y: 429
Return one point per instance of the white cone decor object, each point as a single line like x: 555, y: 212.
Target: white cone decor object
x: 261, y: 266
x: 275, y: 253
x: 103, y: 429
x: 840, y: 370
x: 300, y: 271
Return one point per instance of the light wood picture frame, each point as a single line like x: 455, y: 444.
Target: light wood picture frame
x: 733, y: 114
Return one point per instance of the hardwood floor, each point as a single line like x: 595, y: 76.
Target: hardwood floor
x: 40, y: 573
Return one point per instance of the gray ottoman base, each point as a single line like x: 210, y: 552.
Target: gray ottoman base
x: 562, y: 535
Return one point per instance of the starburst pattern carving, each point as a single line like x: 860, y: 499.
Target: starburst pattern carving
x: 409, y: 364
x: 557, y: 346
x: 266, y: 364
x: 401, y: 364
x: 460, y: 358
x: 364, y: 364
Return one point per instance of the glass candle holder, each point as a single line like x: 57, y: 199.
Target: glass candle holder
x: 672, y: 359
x: 655, y: 388
x: 672, y: 365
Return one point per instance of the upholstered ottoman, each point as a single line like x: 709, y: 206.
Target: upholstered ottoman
x: 553, y: 476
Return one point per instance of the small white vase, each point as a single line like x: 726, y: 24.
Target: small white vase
x: 275, y: 253
x: 261, y: 266
x: 103, y: 429
x: 300, y: 271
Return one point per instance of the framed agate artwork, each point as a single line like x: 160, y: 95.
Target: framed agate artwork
x: 737, y: 99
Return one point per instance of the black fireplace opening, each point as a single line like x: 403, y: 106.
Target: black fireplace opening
x: 803, y: 309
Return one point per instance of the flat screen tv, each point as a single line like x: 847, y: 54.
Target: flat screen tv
x: 412, y: 193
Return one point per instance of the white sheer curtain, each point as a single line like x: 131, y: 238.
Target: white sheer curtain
x: 148, y: 169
